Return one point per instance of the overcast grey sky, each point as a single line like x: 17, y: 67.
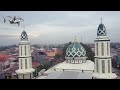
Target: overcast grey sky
x: 47, y: 27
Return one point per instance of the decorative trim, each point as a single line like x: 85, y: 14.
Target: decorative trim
x: 101, y: 40
x: 25, y: 57
x: 24, y: 43
x: 102, y: 57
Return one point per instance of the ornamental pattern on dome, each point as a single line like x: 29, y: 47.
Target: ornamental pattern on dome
x: 75, y: 50
x: 24, y: 36
x: 101, y: 30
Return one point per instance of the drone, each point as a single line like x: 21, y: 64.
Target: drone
x: 13, y: 20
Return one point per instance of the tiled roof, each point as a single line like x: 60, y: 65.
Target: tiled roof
x: 3, y: 57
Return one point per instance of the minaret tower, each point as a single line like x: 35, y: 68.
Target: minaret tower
x: 103, y: 66
x: 25, y: 70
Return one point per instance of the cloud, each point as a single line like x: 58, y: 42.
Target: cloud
x: 60, y: 26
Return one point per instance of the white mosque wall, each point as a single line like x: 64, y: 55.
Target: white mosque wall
x: 25, y: 76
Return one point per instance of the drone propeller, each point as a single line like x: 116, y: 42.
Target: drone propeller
x: 20, y: 18
x: 4, y: 20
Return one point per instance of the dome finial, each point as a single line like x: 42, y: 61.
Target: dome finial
x: 75, y: 39
x: 101, y: 19
x: 81, y: 40
x: 24, y: 26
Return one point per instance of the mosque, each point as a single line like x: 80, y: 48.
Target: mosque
x: 76, y: 65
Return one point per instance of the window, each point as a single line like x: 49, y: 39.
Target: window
x: 97, y: 48
x: 108, y: 66
x: 103, y: 66
x: 21, y: 50
x: 30, y: 63
x: 25, y: 49
x: 21, y: 63
x: 107, y: 49
x: 25, y: 63
x: 97, y: 66
x: 102, y: 49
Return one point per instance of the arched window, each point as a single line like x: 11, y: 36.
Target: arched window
x: 97, y: 48
x: 97, y: 68
x: 25, y: 63
x: 25, y: 50
x: 103, y: 66
x: 102, y: 47
x: 107, y: 49
x: 21, y: 50
x: 108, y: 66
x: 21, y: 64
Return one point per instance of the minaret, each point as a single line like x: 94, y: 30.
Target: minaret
x: 103, y: 66
x: 25, y: 70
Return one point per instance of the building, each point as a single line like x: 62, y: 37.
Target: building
x: 11, y: 74
x: 76, y: 59
x: 116, y: 61
x: 51, y: 53
x: 36, y: 65
x: 25, y: 70
x: 4, y: 61
x: 1, y: 72
x: 39, y: 56
x: 103, y: 66
x: 76, y: 65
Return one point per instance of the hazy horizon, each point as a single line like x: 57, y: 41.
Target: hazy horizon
x: 57, y: 27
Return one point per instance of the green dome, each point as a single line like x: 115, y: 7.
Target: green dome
x: 75, y: 50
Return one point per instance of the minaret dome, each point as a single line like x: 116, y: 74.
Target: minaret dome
x: 24, y: 36
x: 101, y: 29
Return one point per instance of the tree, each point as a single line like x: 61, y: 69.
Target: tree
x: 65, y: 48
x: 39, y: 68
x: 89, y: 52
x: 57, y: 56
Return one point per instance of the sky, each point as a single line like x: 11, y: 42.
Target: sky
x: 57, y: 27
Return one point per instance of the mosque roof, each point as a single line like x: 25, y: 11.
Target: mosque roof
x: 75, y: 50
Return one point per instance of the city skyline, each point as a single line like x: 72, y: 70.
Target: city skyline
x: 57, y: 27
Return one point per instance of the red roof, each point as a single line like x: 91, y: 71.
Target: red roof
x: 4, y: 56
x: 35, y: 64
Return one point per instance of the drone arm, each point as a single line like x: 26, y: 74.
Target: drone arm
x: 9, y: 16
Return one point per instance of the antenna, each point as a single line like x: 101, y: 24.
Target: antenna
x: 101, y: 19
x: 24, y: 27
x: 81, y: 39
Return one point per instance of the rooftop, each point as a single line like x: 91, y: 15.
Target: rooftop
x: 66, y: 75
x: 88, y: 66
